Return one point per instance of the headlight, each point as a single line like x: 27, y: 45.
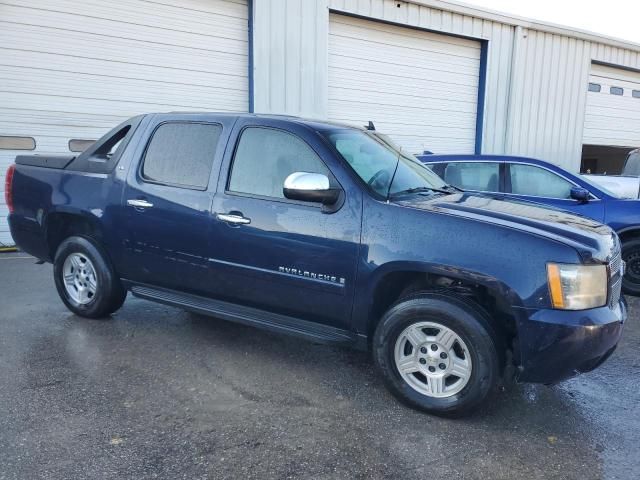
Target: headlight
x: 577, y: 287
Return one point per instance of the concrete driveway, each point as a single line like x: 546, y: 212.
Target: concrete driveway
x: 156, y: 392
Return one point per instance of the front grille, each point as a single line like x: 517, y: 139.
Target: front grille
x: 615, y: 263
x: 615, y: 288
x: 615, y: 277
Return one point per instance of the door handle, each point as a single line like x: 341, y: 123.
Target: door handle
x: 233, y: 218
x: 137, y: 203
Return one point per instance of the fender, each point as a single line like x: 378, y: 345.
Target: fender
x: 364, y: 303
x: 633, y: 228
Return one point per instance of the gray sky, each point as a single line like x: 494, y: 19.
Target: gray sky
x: 615, y: 18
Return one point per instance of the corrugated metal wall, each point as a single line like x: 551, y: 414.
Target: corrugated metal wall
x: 536, y: 81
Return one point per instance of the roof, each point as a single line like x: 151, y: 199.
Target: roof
x: 313, y: 123
x: 479, y: 12
x: 483, y: 158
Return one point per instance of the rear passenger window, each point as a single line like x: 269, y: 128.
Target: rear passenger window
x: 181, y: 154
x: 265, y: 157
x: 479, y: 176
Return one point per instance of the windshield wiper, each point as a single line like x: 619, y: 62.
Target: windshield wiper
x: 420, y: 189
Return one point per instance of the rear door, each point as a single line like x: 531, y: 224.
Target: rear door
x: 537, y: 184
x: 167, y: 200
x: 284, y: 256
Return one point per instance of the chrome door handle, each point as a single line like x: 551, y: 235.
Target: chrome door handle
x: 139, y: 203
x: 233, y: 218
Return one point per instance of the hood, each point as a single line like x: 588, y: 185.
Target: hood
x: 592, y: 239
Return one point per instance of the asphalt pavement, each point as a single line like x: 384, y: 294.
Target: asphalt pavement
x: 155, y: 392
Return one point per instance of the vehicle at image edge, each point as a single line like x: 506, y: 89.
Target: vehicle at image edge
x: 625, y: 185
x: 542, y: 182
x: 329, y: 233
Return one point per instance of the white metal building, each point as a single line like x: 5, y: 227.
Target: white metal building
x: 435, y: 75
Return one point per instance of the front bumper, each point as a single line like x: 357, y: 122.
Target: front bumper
x: 554, y: 345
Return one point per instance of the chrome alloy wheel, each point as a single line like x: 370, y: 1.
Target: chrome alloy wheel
x: 433, y: 359
x: 80, y: 279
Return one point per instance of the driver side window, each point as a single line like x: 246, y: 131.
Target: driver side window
x: 265, y: 157
x: 534, y: 181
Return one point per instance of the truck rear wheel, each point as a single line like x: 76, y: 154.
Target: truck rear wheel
x: 85, y: 279
x: 437, y: 353
x: 631, y: 255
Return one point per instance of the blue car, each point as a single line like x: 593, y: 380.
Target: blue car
x: 544, y: 183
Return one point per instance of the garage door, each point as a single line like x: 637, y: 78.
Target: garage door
x: 72, y: 70
x: 419, y: 87
x: 613, y: 108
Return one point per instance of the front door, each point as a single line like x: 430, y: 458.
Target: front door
x: 285, y: 256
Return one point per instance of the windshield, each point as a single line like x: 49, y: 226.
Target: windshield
x: 374, y: 158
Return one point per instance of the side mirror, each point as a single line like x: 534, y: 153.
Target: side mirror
x: 310, y: 187
x: 580, y: 194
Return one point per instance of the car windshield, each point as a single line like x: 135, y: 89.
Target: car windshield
x: 374, y: 157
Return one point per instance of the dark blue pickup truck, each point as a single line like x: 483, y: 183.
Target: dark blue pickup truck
x: 330, y: 233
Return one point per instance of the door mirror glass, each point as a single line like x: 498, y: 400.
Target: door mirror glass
x: 310, y: 187
x: 580, y: 194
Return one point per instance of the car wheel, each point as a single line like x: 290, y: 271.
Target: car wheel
x: 437, y: 353
x: 631, y: 255
x: 85, y: 278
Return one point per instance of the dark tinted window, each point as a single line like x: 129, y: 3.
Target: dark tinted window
x: 181, y: 154
x: 266, y: 157
x: 594, y: 87
x: 635, y: 93
x: 616, y: 91
x: 479, y: 176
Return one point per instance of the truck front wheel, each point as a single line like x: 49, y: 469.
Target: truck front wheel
x: 437, y: 353
x: 85, y: 279
x: 631, y: 255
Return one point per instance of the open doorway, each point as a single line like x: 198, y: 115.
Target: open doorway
x: 603, y: 159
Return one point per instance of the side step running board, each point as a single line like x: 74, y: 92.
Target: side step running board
x: 246, y: 315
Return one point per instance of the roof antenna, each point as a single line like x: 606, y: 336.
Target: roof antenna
x: 371, y: 126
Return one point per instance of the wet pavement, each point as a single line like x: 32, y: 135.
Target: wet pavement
x: 156, y: 392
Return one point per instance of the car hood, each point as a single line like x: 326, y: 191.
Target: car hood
x: 592, y: 239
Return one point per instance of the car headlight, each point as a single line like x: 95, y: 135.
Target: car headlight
x: 577, y: 287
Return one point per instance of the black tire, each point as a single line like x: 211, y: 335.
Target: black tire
x: 469, y: 322
x: 631, y: 255
x: 109, y: 295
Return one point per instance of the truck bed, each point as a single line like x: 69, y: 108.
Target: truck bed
x: 59, y: 162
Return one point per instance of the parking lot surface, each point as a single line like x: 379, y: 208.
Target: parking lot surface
x: 155, y: 392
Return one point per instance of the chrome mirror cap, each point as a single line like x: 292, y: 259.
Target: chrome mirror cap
x: 306, y: 181
x: 310, y: 187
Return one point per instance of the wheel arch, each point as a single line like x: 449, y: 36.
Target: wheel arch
x: 399, y: 280
x: 628, y: 233
x: 62, y: 224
